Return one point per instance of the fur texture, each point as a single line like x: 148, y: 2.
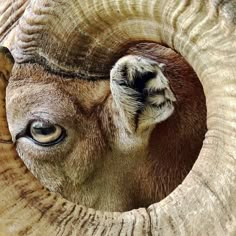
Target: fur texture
x: 112, y: 159
x: 174, y: 144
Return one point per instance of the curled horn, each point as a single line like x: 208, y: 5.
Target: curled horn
x: 71, y: 37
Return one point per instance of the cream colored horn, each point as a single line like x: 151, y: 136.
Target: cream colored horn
x: 71, y: 37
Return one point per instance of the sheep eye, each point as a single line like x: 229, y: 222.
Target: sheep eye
x: 45, y: 134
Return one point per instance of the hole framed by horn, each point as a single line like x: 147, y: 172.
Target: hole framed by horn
x: 203, y: 34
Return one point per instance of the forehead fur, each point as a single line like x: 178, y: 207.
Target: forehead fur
x: 86, y: 93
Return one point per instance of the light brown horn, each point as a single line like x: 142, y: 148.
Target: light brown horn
x: 204, y: 33
x: 10, y: 12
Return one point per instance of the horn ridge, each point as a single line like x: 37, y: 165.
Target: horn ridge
x: 205, y: 202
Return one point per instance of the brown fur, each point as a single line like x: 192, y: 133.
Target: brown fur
x: 89, y: 167
x: 174, y: 144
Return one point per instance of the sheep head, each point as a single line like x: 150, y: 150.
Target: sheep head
x: 90, y: 140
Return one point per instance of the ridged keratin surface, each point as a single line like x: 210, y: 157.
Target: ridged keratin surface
x: 85, y: 38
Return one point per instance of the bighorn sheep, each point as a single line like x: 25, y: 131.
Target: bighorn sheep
x: 92, y: 143
x: 102, y: 33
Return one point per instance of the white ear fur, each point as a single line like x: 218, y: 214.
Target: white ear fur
x: 162, y: 66
x: 134, y: 102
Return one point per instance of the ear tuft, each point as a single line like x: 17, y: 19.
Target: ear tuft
x: 162, y: 66
x: 6, y: 62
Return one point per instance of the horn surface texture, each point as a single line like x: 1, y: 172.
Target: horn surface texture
x: 71, y: 37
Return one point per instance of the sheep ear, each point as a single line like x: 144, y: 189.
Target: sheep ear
x: 162, y: 66
x: 6, y: 62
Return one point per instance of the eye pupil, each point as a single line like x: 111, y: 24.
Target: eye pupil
x: 45, y: 134
x: 44, y: 130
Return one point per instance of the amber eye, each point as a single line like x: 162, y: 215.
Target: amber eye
x: 46, y: 134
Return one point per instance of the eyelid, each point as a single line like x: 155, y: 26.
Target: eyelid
x: 26, y: 133
x: 23, y: 133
